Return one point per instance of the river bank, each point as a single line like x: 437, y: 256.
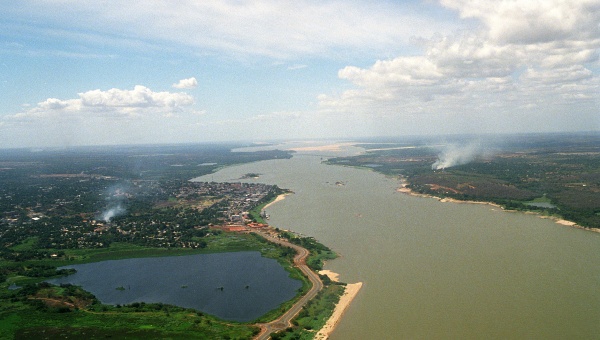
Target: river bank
x: 405, y: 190
x: 346, y: 299
x: 350, y: 291
x: 434, y: 270
x: 277, y: 199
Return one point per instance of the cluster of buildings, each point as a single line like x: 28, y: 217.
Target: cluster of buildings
x: 174, y: 214
x: 241, y: 198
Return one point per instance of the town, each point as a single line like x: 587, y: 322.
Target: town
x: 145, y: 212
x: 85, y: 198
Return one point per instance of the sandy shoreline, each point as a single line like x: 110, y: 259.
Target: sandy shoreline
x: 332, y: 275
x: 350, y: 293
x: 405, y: 190
x: 277, y: 199
x: 329, y: 147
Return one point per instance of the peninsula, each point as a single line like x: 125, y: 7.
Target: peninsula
x: 58, y: 209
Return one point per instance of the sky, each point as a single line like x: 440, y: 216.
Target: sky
x: 85, y: 72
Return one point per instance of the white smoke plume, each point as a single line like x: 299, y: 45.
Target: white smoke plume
x: 115, y: 197
x: 113, y: 212
x: 454, y: 155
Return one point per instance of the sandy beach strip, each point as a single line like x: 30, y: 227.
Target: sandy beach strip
x: 350, y: 293
x: 277, y: 199
x: 453, y: 200
x: 565, y: 222
x: 403, y: 189
x: 333, y: 276
x: 570, y: 224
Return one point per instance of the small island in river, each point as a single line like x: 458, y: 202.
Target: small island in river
x: 250, y: 176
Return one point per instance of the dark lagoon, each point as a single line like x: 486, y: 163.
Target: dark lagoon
x: 251, y: 284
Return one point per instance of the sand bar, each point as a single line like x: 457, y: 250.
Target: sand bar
x: 329, y: 147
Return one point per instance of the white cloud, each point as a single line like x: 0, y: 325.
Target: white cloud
x: 405, y: 70
x: 111, y: 103
x: 574, y: 73
x: 188, y: 83
x: 533, y: 21
x: 513, y: 65
x: 113, y: 116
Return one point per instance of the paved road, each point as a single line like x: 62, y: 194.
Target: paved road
x: 285, y: 320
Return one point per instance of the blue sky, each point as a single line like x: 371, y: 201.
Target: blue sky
x: 104, y: 72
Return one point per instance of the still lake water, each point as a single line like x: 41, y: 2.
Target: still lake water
x: 434, y: 270
x: 192, y: 281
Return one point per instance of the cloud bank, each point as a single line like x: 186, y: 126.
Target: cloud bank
x: 447, y: 66
x: 525, y: 60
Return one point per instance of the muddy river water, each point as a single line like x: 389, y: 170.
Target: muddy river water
x: 434, y: 270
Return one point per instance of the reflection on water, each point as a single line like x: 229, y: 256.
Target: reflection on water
x: 437, y: 270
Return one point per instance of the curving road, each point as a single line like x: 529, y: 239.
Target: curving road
x: 285, y: 320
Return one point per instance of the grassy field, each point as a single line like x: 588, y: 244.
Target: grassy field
x: 25, y: 323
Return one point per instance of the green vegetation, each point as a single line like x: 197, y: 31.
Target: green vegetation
x: 285, y: 257
x: 77, y: 206
x: 22, y: 272
x: 57, y: 310
x: 86, y: 205
x: 318, y: 252
x: 250, y: 175
x: 67, y: 312
x: 314, y: 316
x: 62, y: 312
x: 256, y: 213
x: 562, y: 171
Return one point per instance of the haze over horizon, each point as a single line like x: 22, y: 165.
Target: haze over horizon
x: 91, y: 73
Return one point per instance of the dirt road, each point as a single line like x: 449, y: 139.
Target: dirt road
x: 285, y: 320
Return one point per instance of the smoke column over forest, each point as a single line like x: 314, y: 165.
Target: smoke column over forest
x: 459, y: 154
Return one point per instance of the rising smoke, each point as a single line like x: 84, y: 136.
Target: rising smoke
x: 459, y: 154
x: 107, y: 215
x: 115, y: 202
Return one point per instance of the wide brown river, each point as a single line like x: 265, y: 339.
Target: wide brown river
x: 434, y: 270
